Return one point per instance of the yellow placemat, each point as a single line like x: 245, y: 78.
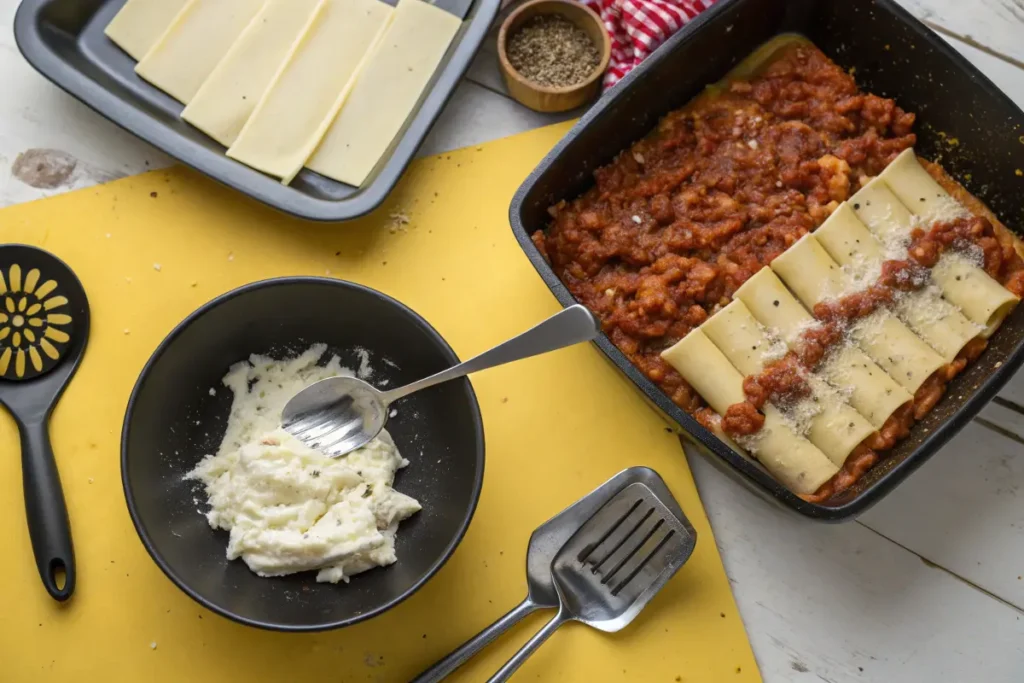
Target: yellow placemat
x: 152, y: 248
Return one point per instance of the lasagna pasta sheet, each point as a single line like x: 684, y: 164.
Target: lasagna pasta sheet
x: 194, y: 43
x: 310, y: 88
x: 741, y: 338
x: 934, y: 319
x: 937, y: 321
x: 834, y: 427
x: 810, y: 272
x: 140, y: 23
x: 896, y: 349
x: 906, y: 194
x: 226, y: 100
x: 872, y: 392
x: 789, y: 457
x: 395, y: 75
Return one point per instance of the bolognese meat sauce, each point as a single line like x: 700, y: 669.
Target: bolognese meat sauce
x: 679, y: 221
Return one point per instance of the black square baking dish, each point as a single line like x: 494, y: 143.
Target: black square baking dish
x: 892, y: 55
x: 64, y: 41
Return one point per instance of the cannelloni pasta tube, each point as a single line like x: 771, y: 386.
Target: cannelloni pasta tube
x: 789, y: 457
x: 814, y: 277
x: 919, y: 197
x: 872, y: 392
x: 934, y: 319
x: 832, y: 425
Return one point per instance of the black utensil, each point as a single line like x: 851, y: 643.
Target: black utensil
x: 44, y: 325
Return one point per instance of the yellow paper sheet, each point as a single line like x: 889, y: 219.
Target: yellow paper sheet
x: 556, y: 427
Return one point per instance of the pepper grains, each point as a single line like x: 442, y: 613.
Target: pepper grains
x: 552, y: 51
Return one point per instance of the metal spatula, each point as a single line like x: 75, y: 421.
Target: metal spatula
x: 612, y: 567
x: 545, y: 543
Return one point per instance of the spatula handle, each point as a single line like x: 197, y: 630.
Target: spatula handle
x: 48, y: 525
x: 519, y: 658
x: 467, y: 650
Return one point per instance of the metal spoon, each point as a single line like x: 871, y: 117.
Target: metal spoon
x: 545, y: 543
x: 611, y: 568
x: 340, y: 414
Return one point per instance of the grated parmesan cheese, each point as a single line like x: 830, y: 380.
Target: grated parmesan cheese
x: 862, y: 272
x: 776, y: 349
x: 869, y: 327
x: 800, y: 415
x: 943, y: 209
x: 752, y: 442
x: 973, y: 253
x: 925, y: 307
x: 956, y: 260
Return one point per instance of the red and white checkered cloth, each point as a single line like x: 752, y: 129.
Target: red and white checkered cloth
x: 638, y: 27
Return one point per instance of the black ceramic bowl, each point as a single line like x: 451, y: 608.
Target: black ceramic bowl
x: 172, y: 421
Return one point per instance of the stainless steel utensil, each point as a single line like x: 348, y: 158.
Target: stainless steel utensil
x: 612, y: 567
x: 340, y: 414
x: 545, y: 542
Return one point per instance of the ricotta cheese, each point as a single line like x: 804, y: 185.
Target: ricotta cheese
x: 289, y: 508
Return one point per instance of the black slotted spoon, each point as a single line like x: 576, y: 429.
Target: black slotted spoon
x: 44, y: 326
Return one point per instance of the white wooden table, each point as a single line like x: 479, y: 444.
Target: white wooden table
x: 927, y: 586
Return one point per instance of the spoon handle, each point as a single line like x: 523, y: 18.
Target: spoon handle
x: 444, y: 668
x: 570, y: 326
x: 519, y: 658
x: 48, y: 525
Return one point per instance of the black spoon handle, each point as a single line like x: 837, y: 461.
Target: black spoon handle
x: 47, y: 514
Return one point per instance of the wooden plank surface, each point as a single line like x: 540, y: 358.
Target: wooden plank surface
x: 964, y: 511
x: 923, y: 587
x: 843, y: 604
x: 995, y: 26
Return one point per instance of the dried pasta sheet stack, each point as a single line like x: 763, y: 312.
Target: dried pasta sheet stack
x: 825, y: 358
x: 228, y: 97
x: 286, y: 84
x: 192, y: 45
x: 140, y: 23
x: 310, y: 87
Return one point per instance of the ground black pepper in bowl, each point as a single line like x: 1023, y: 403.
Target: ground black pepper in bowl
x: 552, y: 51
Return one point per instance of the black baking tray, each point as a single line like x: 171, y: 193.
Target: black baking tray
x: 964, y: 121
x: 64, y: 41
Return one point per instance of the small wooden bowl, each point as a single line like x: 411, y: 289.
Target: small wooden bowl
x: 543, y: 98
